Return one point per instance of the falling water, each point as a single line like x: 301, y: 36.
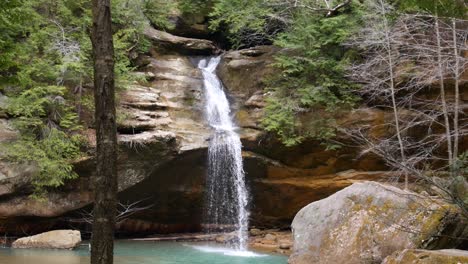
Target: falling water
x: 226, y: 192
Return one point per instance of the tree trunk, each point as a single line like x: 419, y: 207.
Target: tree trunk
x: 388, y: 47
x: 105, y: 182
x: 442, y: 93
x: 456, y: 132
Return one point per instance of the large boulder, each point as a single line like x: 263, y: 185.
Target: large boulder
x: 172, y: 43
x: 368, y: 221
x: 57, y: 239
x: 418, y: 256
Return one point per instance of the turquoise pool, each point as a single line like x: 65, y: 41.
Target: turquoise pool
x: 139, y: 252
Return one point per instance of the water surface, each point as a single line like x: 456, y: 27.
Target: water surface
x: 140, y: 252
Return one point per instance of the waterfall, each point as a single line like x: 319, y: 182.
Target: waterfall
x: 227, y: 195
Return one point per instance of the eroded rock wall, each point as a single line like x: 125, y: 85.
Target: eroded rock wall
x: 163, y: 140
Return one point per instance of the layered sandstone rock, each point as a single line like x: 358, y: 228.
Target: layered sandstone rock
x: 178, y: 44
x: 163, y: 144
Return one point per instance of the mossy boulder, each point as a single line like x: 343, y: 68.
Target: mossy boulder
x: 368, y: 221
x: 418, y: 256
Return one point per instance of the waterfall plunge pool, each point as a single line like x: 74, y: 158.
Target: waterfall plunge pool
x: 143, y: 252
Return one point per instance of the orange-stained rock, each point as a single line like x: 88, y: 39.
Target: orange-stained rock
x: 163, y: 145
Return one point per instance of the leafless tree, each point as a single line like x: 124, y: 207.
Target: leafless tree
x: 401, y: 62
x: 434, y: 47
x: 124, y: 211
x: 377, y: 72
x: 66, y: 47
x: 69, y: 50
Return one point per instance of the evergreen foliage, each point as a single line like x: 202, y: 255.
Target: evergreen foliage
x: 245, y: 21
x: 158, y: 12
x: 45, y: 62
x: 312, y: 77
x: 442, y: 8
x: 312, y: 67
x: 52, y: 154
x: 194, y: 6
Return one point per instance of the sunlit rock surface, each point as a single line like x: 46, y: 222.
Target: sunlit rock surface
x: 189, y: 46
x: 368, y: 221
x: 57, y: 239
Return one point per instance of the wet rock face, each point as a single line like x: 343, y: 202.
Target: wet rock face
x: 244, y: 72
x: 368, y: 221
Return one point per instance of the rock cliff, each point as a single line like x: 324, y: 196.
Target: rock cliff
x: 163, y: 139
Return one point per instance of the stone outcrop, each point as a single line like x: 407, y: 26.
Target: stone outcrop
x: 13, y: 175
x: 244, y: 73
x: 299, y: 174
x: 169, y: 42
x: 418, y: 256
x: 162, y: 138
x: 192, y: 24
x: 163, y: 141
x: 368, y: 221
x: 271, y: 241
x: 57, y: 239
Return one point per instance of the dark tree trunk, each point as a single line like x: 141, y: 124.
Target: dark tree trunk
x: 105, y: 182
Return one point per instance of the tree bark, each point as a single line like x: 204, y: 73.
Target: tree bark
x: 105, y: 182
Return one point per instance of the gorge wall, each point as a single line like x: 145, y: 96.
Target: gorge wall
x: 163, y: 140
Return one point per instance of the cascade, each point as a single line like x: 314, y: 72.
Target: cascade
x: 227, y: 196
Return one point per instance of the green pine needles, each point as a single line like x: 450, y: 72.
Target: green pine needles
x: 311, y: 88
x: 49, y: 139
x: 312, y: 80
x: 46, y: 71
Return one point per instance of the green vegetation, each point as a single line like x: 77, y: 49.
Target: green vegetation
x: 194, y: 6
x: 312, y: 79
x: 312, y: 67
x: 442, y: 8
x: 245, y: 21
x: 157, y: 11
x: 46, y: 71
